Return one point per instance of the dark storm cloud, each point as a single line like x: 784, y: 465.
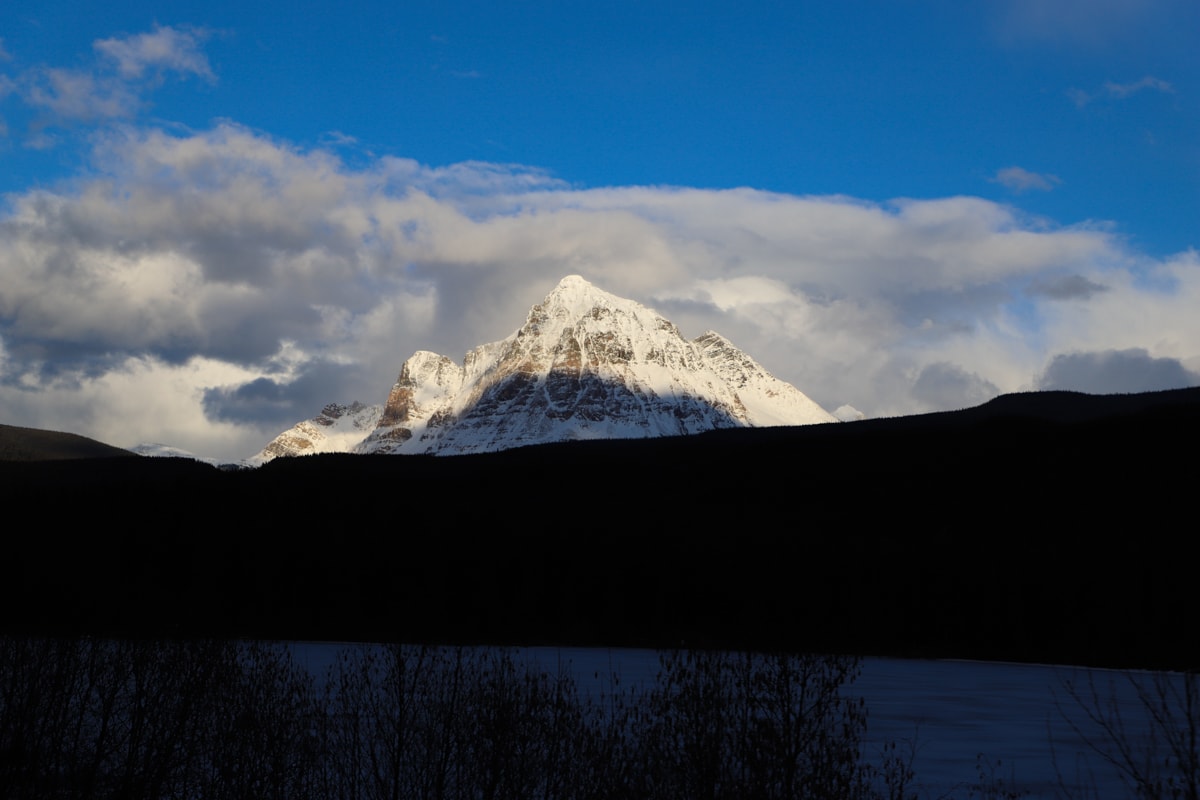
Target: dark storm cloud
x: 1065, y: 287
x: 948, y: 386
x: 281, y: 403
x: 1114, y: 372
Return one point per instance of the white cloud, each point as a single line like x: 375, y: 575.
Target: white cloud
x: 848, y: 413
x: 337, y: 139
x: 137, y: 399
x: 1119, y: 91
x: 245, y: 283
x: 115, y: 88
x: 1122, y: 90
x: 163, y: 49
x: 1018, y: 179
x: 78, y: 95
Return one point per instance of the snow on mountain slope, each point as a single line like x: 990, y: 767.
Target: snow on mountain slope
x: 337, y: 429
x: 586, y: 364
x: 158, y: 450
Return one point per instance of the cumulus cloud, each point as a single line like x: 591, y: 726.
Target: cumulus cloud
x: 245, y: 283
x: 848, y: 413
x: 1114, y: 372
x: 1021, y: 180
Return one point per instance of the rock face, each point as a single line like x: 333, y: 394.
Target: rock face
x: 337, y: 429
x: 586, y: 364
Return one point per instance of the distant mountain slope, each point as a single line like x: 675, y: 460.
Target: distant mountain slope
x: 32, y: 444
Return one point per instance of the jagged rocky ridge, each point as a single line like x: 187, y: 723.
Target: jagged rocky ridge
x: 586, y: 364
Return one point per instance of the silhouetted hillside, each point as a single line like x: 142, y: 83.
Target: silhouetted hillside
x: 31, y: 444
x: 1022, y: 529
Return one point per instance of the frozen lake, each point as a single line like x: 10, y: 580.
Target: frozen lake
x: 955, y: 717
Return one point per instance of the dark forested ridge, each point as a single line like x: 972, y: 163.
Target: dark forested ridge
x: 32, y: 444
x: 1050, y: 527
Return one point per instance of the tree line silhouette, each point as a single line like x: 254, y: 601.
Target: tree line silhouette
x: 91, y: 718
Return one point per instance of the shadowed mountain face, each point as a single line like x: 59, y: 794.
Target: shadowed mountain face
x: 31, y: 444
x: 524, y: 408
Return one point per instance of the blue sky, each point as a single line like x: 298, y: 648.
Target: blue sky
x: 217, y: 219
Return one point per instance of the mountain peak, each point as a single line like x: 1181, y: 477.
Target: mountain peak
x: 573, y: 282
x: 585, y: 365
x: 574, y: 294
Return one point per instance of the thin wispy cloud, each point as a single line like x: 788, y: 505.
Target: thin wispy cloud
x: 337, y: 139
x: 116, y: 86
x: 1079, y: 97
x: 1087, y: 23
x: 1018, y: 179
x: 164, y: 49
x: 78, y: 95
x: 1120, y: 91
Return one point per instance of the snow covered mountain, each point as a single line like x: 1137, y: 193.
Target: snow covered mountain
x: 159, y: 450
x: 337, y: 429
x: 585, y: 365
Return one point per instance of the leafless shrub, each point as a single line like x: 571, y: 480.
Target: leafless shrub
x: 1157, y: 754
